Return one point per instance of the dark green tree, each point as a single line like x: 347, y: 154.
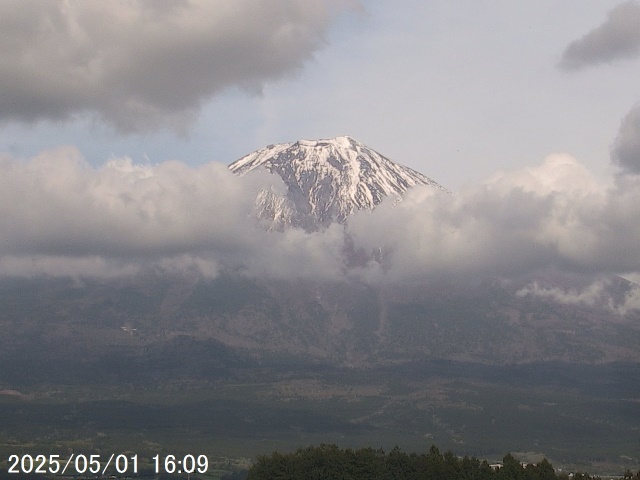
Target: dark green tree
x: 328, y: 462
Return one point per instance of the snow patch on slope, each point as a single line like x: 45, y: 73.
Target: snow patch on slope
x: 327, y: 181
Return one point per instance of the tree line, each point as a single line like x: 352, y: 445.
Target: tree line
x: 328, y: 462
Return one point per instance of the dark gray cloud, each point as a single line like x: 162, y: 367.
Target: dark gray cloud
x: 625, y: 151
x: 147, y: 63
x: 617, y: 38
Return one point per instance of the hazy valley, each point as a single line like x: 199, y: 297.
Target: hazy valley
x: 240, y: 367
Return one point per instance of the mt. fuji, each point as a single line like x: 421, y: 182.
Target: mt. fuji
x: 327, y: 180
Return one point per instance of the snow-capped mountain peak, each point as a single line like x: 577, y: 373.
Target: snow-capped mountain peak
x: 327, y: 180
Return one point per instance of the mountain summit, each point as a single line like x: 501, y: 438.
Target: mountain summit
x: 327, y: 180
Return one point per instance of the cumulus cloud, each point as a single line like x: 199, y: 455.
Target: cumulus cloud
x: 554, y: 215
x: 141, y: 64
x: 60, y: 216
x: 626, y: 148
x: 592, y: 295
x: 617, y: 38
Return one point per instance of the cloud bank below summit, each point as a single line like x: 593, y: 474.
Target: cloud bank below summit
x: 60, y: 216
x: 554, y: 215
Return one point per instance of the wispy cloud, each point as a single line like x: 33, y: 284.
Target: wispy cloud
x: 599, y: 294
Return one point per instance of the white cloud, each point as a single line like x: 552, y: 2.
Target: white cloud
x: 58, y: 215
x: 555, y: 214
x: 599, y: 294
x: 60, y: 205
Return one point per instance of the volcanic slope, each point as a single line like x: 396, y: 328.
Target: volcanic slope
x: 326, y: 181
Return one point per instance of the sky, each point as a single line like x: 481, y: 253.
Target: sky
x: 456, y: 90
x: 117, y: 121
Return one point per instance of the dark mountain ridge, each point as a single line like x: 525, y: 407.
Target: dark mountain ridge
x: 336, y: 324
